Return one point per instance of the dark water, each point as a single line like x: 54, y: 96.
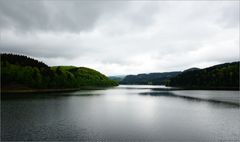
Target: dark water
x: 122, y: 113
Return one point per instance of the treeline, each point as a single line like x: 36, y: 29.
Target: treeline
x: 22, y: 72
x: 150, y: 79
x: 223, y: 76
x: 21, y: 60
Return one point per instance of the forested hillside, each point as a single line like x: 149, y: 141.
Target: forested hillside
x: 22, y: 72
x: 151, y: 78
x: 219, y: 76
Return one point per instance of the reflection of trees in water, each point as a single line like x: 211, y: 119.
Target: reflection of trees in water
x: 189, y: 98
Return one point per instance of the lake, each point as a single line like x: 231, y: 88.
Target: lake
x: 125, y: 112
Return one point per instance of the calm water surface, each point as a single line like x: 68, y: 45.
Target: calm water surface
x: 123, y: 113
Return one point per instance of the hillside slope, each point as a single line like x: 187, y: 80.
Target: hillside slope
x: 218, y: 76
x: 151, y: 78
x: 22, y: 72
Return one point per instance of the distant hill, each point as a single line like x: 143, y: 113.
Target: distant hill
x: 215, y: 77
x: 191, y: 69
x: 151, y: 78
x: 117, y: 78
x: 22, y: 72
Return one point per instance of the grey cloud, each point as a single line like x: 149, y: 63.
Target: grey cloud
x: 230, y: 15
x: 38, y: 51
x: 122, y: 37
x: 31, y: 15
x: 23, y: 15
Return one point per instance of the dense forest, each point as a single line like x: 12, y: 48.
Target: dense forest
x: 22, y: 72
x: 223, y: 76
x: 150, y: 79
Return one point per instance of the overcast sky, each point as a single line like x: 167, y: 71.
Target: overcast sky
x: 127, y: 37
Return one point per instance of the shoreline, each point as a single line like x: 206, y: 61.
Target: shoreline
x: 174, y: 88
x: 23, y: 91
x: 12, y: 91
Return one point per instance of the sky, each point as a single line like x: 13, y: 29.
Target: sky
x: 122, y: 37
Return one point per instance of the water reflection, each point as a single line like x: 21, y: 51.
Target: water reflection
x: 82, y: 93
x: 191, y: 98
x: 118, y: 114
